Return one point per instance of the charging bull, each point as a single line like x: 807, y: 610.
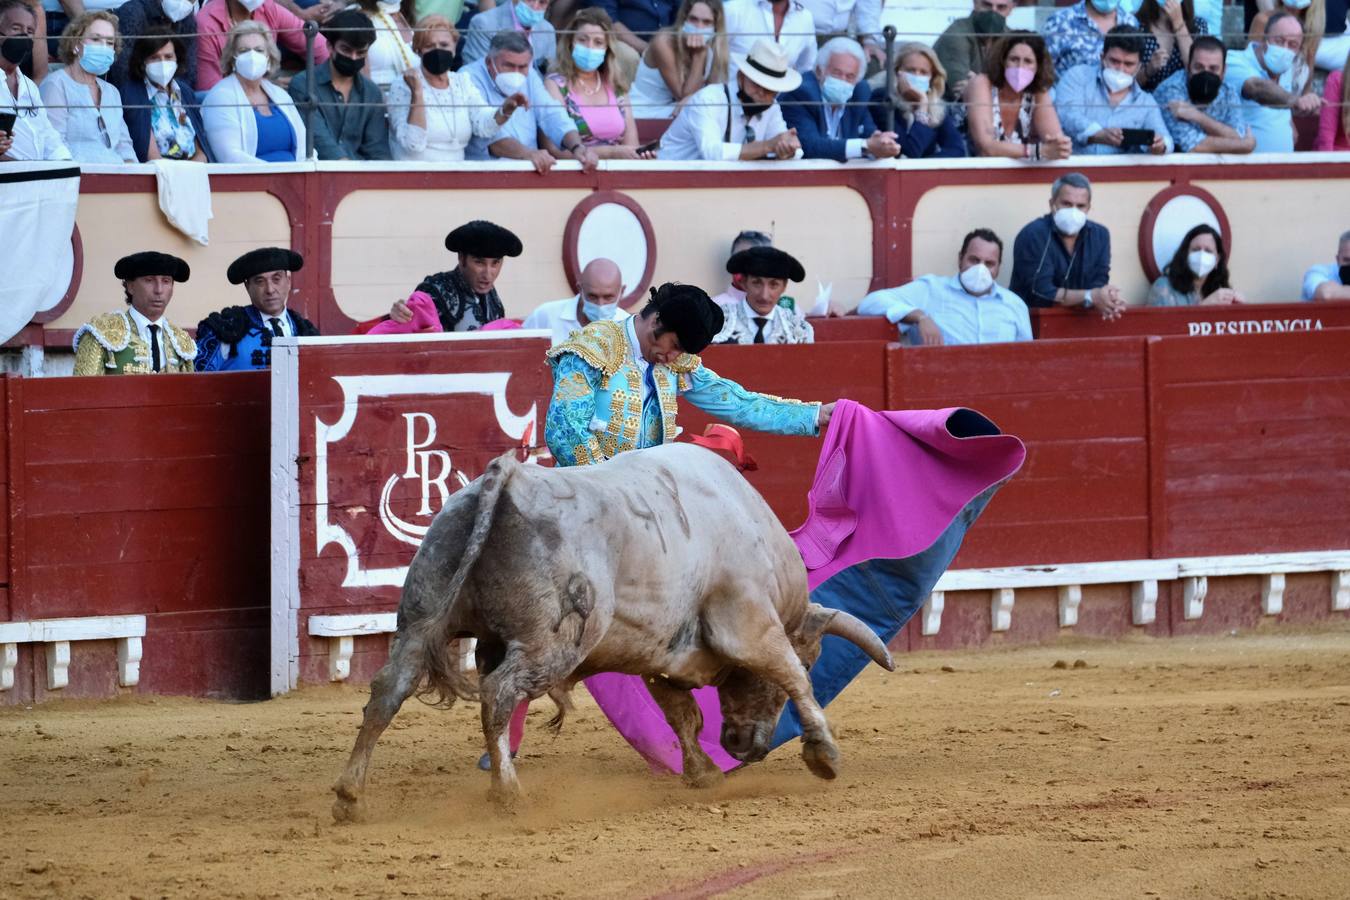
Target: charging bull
x: 663, y: 563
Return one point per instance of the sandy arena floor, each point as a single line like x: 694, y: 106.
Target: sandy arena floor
x: 1189, y: 768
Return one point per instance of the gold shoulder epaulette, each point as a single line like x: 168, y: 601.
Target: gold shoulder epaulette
x: 601, y: 344
x: 111, y: 330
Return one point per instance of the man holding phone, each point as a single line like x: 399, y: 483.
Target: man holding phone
x: 25, y: 131
x: 1103, y: 108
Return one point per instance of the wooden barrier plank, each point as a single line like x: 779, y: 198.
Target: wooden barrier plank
x: 1192, y: 321
x: 853, y: 328
x: 208, y: 484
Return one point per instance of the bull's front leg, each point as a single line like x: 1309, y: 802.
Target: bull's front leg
x: 686, y: 721
x: 391, y: 687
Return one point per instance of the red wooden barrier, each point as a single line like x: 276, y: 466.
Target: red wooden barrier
x: 1080, y: 407
x: 853, y: 328
x: 1193, y: 321
x: 1250, y: 443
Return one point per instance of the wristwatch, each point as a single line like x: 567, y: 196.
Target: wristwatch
x: 1087, y: 300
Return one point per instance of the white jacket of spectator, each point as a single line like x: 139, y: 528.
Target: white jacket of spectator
x: 230, y: 127
x: 455, y: 115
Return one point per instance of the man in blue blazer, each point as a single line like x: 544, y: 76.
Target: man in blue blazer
x: 829, y: 110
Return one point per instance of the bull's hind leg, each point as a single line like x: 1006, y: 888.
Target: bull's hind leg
x: 686, y: 720
x: 391, y: 687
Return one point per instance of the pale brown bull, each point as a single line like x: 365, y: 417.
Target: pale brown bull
x: 663, y: 563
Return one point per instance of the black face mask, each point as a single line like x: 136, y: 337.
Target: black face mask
x: 346, y: 66
x: 1345, y: 274
x: 749, y: 105
x: 16, y: 48
x: 1203, y: 88
x: 438, y: 60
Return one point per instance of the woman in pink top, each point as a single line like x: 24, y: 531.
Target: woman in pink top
x: 587, y: 80
x: 1334, y: 131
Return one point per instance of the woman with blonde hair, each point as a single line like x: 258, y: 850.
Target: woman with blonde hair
x: 248, y: 117
x: 1009, y: 112
x: 435, y: 112
x: 590, y: 84
x: 682, y: 59
x: 83, y: 108
x: 921, y: 122
x: 1333, y: 132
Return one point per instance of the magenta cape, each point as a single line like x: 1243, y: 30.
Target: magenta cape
x: 893, y: 496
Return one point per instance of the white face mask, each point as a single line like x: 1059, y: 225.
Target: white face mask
x: 177, y: 10
x: 251, y: 5
x: 161, y: 71
x: 1115, y: 79
x: 977, y: 279
x: 510, y: 82
x: 390, y: 7
x: 1070, y: 221
x: 251, y: 64
x: 1202, y: 262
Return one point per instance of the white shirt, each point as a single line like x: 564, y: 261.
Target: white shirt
x: 712, y: 126
x: 455, y: 114
x: 560, y: 317
x: 34, y: 137
x: 860, y: 17
x: 853, y: 147
x: 994, y: 317
x: 750, y: 20
x: 283, y: 319
x: 143, y: 329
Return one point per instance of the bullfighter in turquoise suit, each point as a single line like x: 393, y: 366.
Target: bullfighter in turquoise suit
x: 616, y: 384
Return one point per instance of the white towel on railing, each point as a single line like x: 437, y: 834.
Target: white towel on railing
x: 37, y: 217
x: 185, y: 196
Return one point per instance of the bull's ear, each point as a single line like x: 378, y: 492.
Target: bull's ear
x: 821, y: 620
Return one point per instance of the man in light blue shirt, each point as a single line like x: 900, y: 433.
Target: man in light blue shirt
x: 507, y: 71
x: 1263, y: 75
x: 526, y: 18
x: 1097, y: 103
x: 969, y: 308
x: 1330, y: 282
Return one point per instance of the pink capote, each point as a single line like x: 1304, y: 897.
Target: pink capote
x: 425, y: 319
x: 887, y: 485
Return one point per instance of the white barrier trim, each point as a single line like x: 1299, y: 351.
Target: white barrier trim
x: 285, y: 517
x: 59, y: 634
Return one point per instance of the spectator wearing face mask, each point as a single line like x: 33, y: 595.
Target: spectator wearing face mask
x: 32, y: 136
x: 1197, y: 274
x: 1097, y: 104
x: 350, y: 121
x: 1264, y: 75
x: 682, y: 59
x: 968, y: 308
x: 391, y: 54
x: 1062, y: 259
x: 962, y: 47
x: 735, y: 292
x: 141, y: 17
x: 524, y: 17
x: 1074, y: 35
x: 1330, y: 282
x: 599, y: 290
x: 829, y: 111
x: 1314, y: 16
x: 1009, y: 110
x: 162, y: 118
x: 921, y: 120
x: 1203, y: 113
x: 248, y: 118
x: 435, y: 112
x: 590, y: 84
x: 84, y: 109
x: 759, y: 319
x: 216, y: 19
x: 539, y: 130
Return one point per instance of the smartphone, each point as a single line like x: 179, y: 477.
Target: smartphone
x: 1136, y: 137
x: 650, y: 148
x: 7, y: 120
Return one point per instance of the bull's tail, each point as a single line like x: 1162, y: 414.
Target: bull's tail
x: 445, y: 680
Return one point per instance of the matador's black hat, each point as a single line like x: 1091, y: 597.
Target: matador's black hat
x: 483, y: 238
x: 150, y: 262
x: 264, y: 259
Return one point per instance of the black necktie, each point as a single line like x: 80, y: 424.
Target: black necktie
x: 154, y: 347
x: 276, y: 327
x: 760, y: 322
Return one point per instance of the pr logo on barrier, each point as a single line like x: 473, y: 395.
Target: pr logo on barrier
x: 426, y: 468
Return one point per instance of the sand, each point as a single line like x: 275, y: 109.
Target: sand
x: 1186, y: 768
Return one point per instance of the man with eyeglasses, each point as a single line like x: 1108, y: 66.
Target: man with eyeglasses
x: 30, y: 135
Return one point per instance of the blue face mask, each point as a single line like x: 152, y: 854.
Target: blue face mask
x: 1278, y: 59
x: 527, y: 15
x: 1131, y: 7
x: 920, y: 83
x: 588, y: 59
x: 706, y: 32
x: 1104, y: 6
x: 596, y: 312
x: 96, y: 59
x: 835, y: 90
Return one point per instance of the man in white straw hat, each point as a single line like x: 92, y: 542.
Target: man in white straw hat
x: 739, y: 120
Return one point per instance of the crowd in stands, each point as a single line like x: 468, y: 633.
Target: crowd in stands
x: 542, y: 80
x: 1060, y: 259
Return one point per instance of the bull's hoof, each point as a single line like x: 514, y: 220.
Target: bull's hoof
x: 506, y: 799
x: 348, y: 811
x: 822, y: 759
x: 710, y: 777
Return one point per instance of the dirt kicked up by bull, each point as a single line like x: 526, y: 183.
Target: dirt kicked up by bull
x: 664, y: 564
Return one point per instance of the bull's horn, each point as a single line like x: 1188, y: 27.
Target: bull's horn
x: 843, y: 625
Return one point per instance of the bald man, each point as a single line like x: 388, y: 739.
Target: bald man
x: 600, y: 288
